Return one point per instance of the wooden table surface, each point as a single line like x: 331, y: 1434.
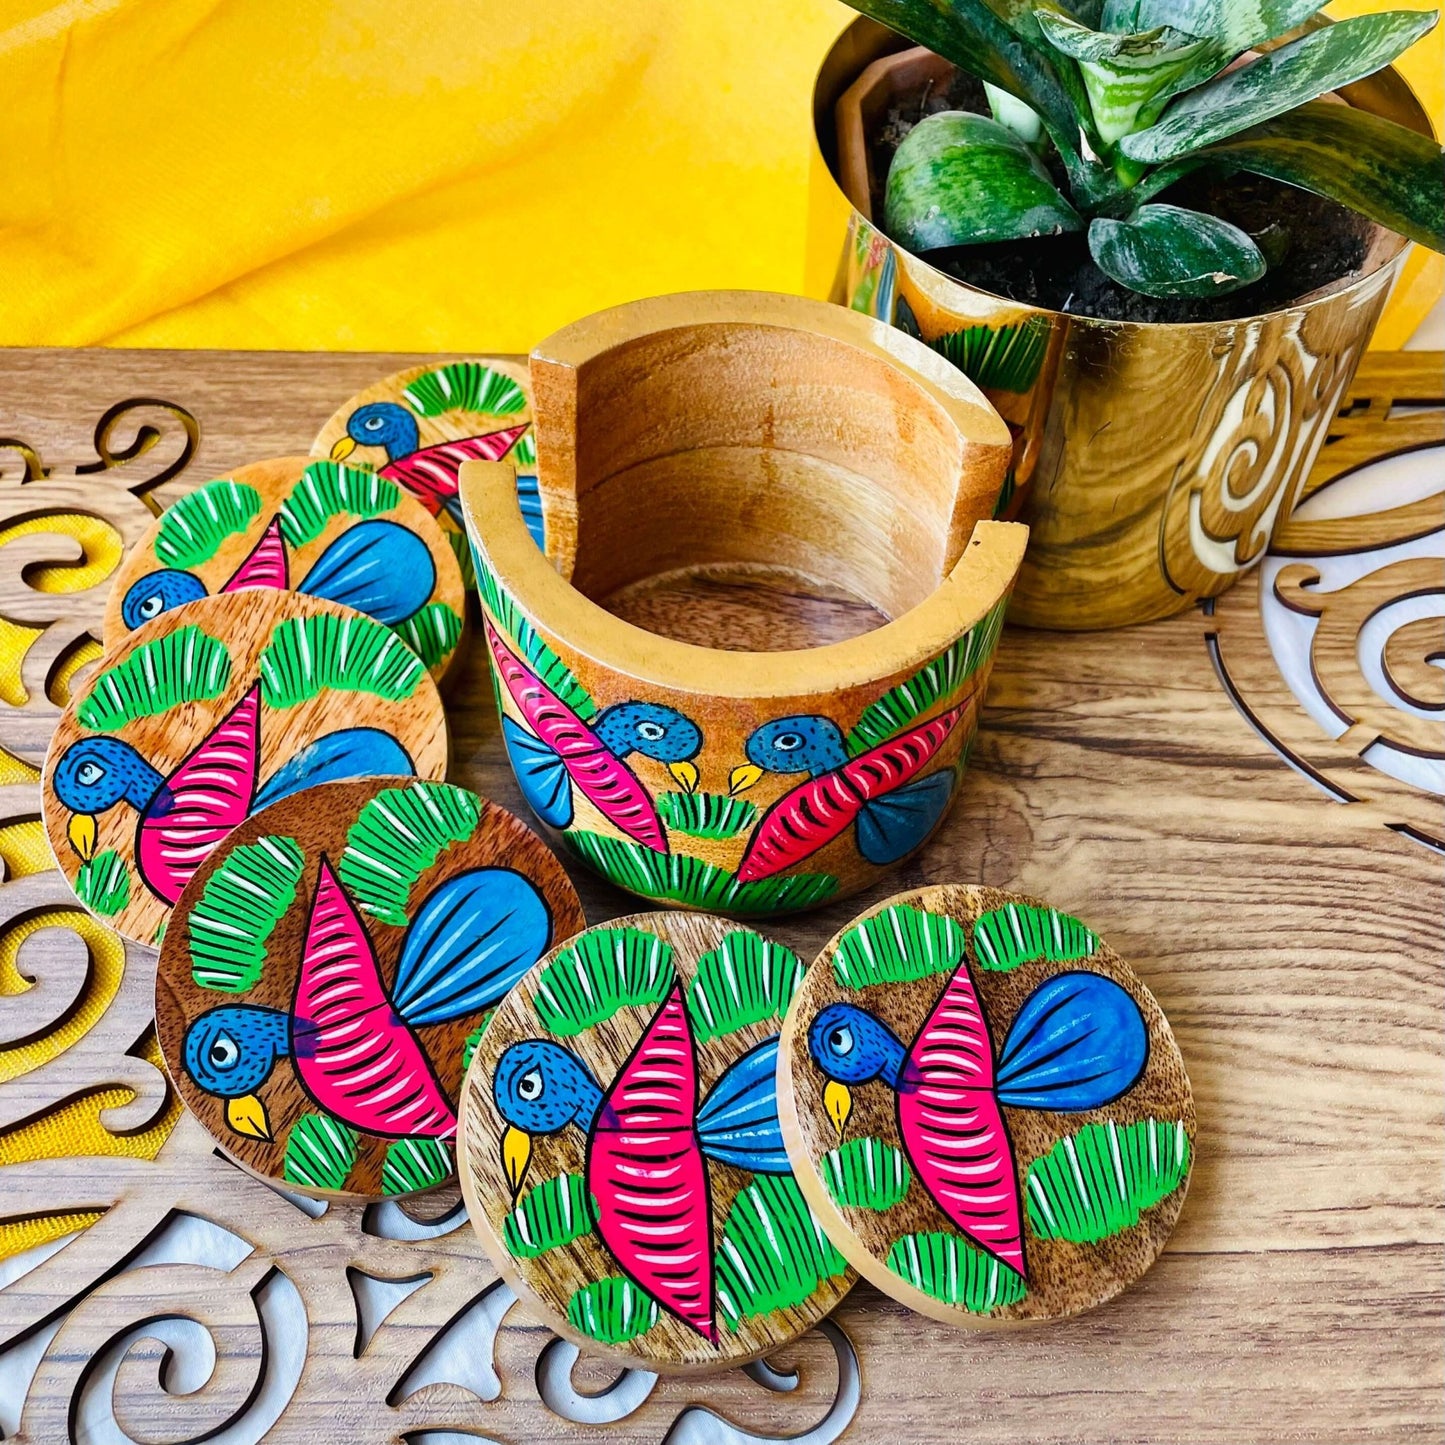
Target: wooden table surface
x: 1293, y: 941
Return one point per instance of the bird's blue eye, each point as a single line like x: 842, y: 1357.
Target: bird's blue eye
x: 88, y: 774
x: 840, y: 1040
x: 152, y: 606
x: 529, y: 1086
x: 373, y: 423
x: 653, y: 732
x: 787, y: 742
x: 223, y: 1052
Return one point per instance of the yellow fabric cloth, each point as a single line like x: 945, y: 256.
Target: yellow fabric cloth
x: 463, y: 174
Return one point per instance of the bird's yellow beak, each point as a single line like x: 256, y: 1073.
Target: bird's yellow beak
x: 838, y: 1101
x: 686, y: 775
x: 81, y: 832
x: 343, y: 449
x: 516, y: 1151
x: 743, y: 777
x: 248, y: 1116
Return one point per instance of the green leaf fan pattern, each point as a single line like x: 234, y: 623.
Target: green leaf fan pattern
x: 103, y: 883
x: 465, y: 386
x: 187, y: 665
x: 328, y: 489
x: 396, y: 837
x: 678, y: 878
x: 611, y: 1311
x: 307, y: 656
x: 934, y: 683
x: 706, y: 815
x: 239, y: 907
x: 320, y: 1153
x: 194, y: 526
x: 773, y: 1253
x: 866, y: 1173
x: 524, y: 450
x: 1020, y: 933
x: 998, y: 358
x: 746, y: 979
x: 555, y: 1213
x: 898, y: 945
x: 1098, y: 1182
x: 469, y: 1047
x: 432, y: 632
x: 606, y: 970
x: 948, y: 1268
x: 414, y: 1164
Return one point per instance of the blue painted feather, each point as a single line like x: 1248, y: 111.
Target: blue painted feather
x: 895, y: 824
x: 379, y: 568
x: 350, y: 753
x: 541, y: 775
x: 738, y: 1121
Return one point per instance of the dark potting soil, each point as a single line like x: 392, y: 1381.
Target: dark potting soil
x: 1308, y: 240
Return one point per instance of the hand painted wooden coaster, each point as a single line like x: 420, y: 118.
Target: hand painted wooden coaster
x: 418, y: 426
x: 312, y: 527
x: 622, y: 1159
x: 985, y: 1107
x: 330, y: 966
x: 207, y: 715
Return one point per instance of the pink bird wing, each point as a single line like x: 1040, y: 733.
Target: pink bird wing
x: 354, y: 1056
x: 266, y: 565
x: 206, y: 796
x: 430, y: 474
x: 819, y: 810
x: 953, y: 1129
x: 645, y: 1168
x: 596, y: 772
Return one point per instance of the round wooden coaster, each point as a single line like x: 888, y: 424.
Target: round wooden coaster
x: 328, y: 970
x: 985, y: 1107
x: 418, y: 426
x: 314, y: 527
x: 210, y: 713
x: 622, y: 1159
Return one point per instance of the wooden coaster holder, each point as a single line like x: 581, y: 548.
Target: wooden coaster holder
x: 740, y: 434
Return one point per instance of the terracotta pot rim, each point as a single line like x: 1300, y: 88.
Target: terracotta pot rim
x: 1384, y: 250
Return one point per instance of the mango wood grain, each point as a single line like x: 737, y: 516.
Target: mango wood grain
x: 1293, y: 941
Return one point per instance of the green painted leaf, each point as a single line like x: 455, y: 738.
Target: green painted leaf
x: 555, y: 1213
x: 524, y: 450
x: 465, y: 386
x: 1020, y: 933
x: 103, y: 883
x: 746, y: 979
x: 194, y: 526
x: 933, y: 684
x: 307, y: 656
x: 469, y: 1047
x: 866, y: 1173
x: 239, y: 907
x: 1303, y: 70
x: 1168, y: 251
x: 898, y: 945
x: 328, y: 489
x: 998, y: 358
x: 1382, y: 170
x: 432, y: 632
x: 413, y: 1164
x: 1101, y: 1180
x: 960, y: 179
x: 602, y: 972
x: 320, y: 1153
x: 948, y: 1268
x: 396, y: 837
x: 773, y: 1253
x: 678, y: 878
x: 186, y: 665
x: 537, y: 654
x: 611, y: 1311
x: 706, y: 815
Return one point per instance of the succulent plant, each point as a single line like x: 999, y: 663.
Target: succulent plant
x: 1132, y: 95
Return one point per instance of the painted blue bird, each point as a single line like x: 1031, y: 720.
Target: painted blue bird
x: 351, y: 1041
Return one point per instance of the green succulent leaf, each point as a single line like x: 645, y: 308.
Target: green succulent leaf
x: 1237, y: 25
x: 1303, y: 70
x: 959, y: 179
x: 1168, y: 251
x: 1384, y: 171
x: 1023, y: 120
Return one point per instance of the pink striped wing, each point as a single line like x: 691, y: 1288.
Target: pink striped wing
x: 821, y: 809
x: 595, y: 771
x: 430, y: 474
x: 952, y: 1126
x: 355, y: 1057
x: 645, y: 1167
x: 266, y: 566
x: 203, y: 799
